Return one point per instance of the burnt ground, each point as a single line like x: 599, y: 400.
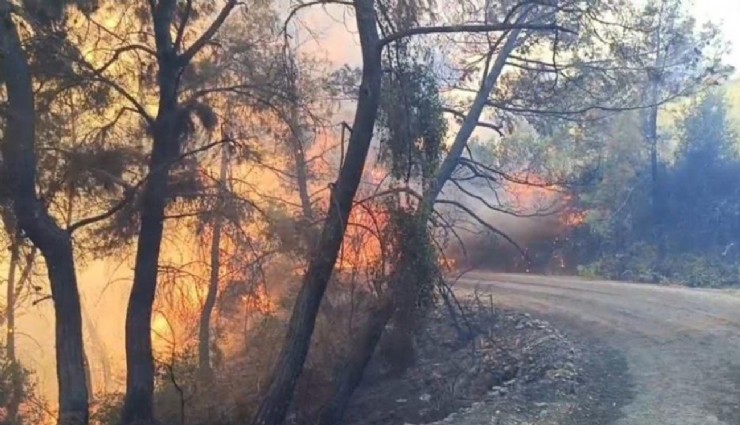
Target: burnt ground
x: 515, y: 369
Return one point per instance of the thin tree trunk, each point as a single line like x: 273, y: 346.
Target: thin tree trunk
x: 299, y: 157
x: 138, y: 401
x: 292, y: 357
x: 297, y: 139
x: 17, y: 387
x: 470, y: 122
x: 100, y: 351
x: 363, y: 347
x: 204, y: 330
x: 15, y: 252
x: 54, y: 243
x: 652, y: 135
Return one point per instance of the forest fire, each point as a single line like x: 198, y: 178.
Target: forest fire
x: 259, y: 301
x: 168, y: 166
x: 362, y: 249
x: 537, y: 215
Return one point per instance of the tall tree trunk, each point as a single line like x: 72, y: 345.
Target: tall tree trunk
x: 652, y: 136
x: 138, y: 402
x: 54, y: 242
x: 204, y: 329
x: 655, y: 77
x: 291, y: 359
x: 15, y: 391
x: 366, y: 343
x: 470, y: 122
x: 363, y: 347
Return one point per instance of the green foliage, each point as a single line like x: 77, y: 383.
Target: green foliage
x: 642, y: 265
x: 415, y: 266
x: 700, y: 200
x: 705, y: 133
x: 411, y: 124
x: 415, y: 273
x: 701, y: 271
x: 637, y: 263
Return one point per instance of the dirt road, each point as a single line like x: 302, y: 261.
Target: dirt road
x: 682, y: 346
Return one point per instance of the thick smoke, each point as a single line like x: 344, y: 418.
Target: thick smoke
x: 527, y: 215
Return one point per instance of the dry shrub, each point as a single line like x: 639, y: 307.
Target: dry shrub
x: 245, y: 361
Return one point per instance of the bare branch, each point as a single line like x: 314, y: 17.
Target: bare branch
x: 294, y: 11
x: 485, y: 224
x: 188, y: 54
x: 497, y: 128
x: 471, y: 28
x: 130, y: 193
x: 545, y: 212
x: 406, y: 190
x: 117, y: 54
x: 475, y: 165
x: 128, y: 197
x: 99, y: 77
x: 183, y: 23
x: 135, y: 103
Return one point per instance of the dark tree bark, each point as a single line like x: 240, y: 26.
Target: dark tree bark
x: 138, y: 401
x: 470, y: 122
x: 362, y: 351
x: 290, y: 362
x: 204, y: 325
x: 54, y: 242
x: 15, y: 254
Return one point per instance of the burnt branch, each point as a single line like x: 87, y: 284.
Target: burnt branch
x: 183, y: 23
x: 130, y: 193
x: 470, y: 28
x: 208, y: 34
x: 485, y: 224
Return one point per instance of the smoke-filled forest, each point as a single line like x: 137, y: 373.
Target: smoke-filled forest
x: 221, y: 212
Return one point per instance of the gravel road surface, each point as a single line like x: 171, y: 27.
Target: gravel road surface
x: 682, y: 346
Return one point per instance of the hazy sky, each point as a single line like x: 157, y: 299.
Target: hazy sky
x: 725, y: 13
